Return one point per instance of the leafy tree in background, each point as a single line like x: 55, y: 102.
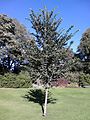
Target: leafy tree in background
x: 84, y: 51
x: 13, y: 40
x: 48, y: 55
x: 82, y: 62
x: 84, y: 46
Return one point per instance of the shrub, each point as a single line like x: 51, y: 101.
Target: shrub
x: 11, y: 80
x: 84, y: 79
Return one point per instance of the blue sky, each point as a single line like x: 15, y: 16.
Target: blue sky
x: 73, y: 12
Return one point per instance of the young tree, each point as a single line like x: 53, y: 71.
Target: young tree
x: 47, y: 54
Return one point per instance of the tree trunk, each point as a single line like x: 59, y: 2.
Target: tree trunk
x: 45, y: 105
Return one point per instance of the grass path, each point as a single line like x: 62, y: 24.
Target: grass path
x: 71, y: 104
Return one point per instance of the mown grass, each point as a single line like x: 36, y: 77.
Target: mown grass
x: 71, y: 104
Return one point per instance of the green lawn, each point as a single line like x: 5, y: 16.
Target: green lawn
x: 71, y: 104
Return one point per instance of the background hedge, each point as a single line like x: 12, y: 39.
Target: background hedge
x: 11, y: 80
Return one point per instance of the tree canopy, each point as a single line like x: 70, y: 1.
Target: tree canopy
x: 13, y: 39
x: 84, y: 51
x: 48, y: 54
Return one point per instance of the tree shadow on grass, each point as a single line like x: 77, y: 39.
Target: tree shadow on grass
x: 38, y: 96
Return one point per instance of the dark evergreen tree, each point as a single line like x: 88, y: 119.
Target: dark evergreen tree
x: 48, y: 54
